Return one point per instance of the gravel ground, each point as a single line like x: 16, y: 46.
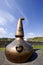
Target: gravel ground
x: 36, y: 59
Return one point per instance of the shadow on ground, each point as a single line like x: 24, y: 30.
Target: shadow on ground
x: 33, y: 57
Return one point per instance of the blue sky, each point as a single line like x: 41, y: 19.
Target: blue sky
x: 12, y: 10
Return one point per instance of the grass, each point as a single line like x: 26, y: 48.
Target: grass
x: 37, y: 46
x: 41, y: 50
x: 37, y: 39
x: 34, y: 47
x: 2, y: 49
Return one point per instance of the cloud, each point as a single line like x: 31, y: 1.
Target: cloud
x: 11, y: 35
x: 6, y: 1
x: 40, y: 35
x: 4, y: 33
x: 32, y: 35
x: 6, y: 17
x: 21, y: 12
x: 17, y: 8
x: 9, y: 17
x: 2, y: 21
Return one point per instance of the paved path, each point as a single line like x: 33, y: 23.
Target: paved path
x: 36, y: 59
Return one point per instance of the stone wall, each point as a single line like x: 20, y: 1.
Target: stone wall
x: 4, y: 43
x: 36, y: 43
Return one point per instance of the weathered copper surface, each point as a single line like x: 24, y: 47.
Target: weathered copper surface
x: 19, y: 30
x: 19, y: 50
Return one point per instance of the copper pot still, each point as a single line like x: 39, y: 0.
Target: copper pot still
x: 19, y: 51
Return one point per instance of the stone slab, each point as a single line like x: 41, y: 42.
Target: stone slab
x: 36, y: 59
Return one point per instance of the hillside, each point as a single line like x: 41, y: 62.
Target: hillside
x: 33, y: 41
x: 7, y: 39
x: 36, y: 39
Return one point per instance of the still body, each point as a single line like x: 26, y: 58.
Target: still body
x: 19, y: 50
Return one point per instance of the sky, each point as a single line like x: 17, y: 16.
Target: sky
x: 12, y: 10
